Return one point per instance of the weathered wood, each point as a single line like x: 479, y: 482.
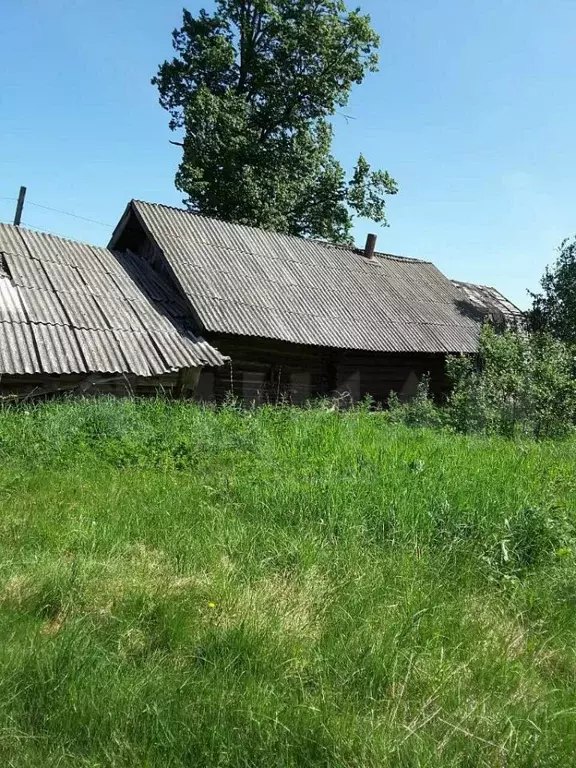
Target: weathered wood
x: 265, y: 370
x: 186, y: 382
x: 378, y: 374
x: 28, y: 386
x: 261, y: 371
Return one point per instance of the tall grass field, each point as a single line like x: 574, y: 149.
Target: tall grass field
x: 185, y: 586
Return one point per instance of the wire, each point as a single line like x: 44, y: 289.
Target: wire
x: 67, y: 213
x: 40, y: 229
x: 57, y: 210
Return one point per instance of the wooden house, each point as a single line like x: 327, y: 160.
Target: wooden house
x: 86, y: 319
x: 298, y: 318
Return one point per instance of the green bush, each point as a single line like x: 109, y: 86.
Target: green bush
x: 520, y: 383
x: 420, y: 411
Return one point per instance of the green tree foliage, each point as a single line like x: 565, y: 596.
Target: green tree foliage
x: 554, y: 308
x: 252, y: 88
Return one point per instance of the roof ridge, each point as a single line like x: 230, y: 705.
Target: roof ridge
x: 341, y: 246
x: 359, y: 251
x: 478, y: 285
x: 67, y: 239
x: 326, y: 243
x: 399, y: 257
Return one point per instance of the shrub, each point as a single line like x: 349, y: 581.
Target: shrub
x: 420, y: 411
x: 520, y: 383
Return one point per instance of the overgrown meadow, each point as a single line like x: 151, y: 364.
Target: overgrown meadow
x: 184, y: 586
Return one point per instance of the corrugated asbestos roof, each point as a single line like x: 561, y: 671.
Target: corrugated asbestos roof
x: 246, y: 281
x: 69, y: 307
x: 492, y: 303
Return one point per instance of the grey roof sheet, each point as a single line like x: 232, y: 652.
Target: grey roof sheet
x: 25, y: 272
x: 42, y: 306
x: 102, y: 351
x: 246, y: 281
x: 84, y: 312
x: 491, y: 302
x: 68, y: 307
x: 59, y: 349
x: 17, y: 353
x: 11, y: 304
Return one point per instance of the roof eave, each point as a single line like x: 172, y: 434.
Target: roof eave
x: 120, y: 227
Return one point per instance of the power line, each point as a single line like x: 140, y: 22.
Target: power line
x: 67, y: 213
x: 41, y: 229
x: 58, y: 210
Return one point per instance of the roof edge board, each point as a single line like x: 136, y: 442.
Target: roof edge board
x: 198, y: 323
x: 119, y: 228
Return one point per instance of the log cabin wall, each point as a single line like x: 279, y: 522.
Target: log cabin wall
x: 37, y: 386
x: 265, y: 370
x: 378, y: 374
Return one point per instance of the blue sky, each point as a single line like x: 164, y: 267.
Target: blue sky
x: 472, y: 112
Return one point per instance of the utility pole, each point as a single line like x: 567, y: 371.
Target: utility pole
x: 19, y: 206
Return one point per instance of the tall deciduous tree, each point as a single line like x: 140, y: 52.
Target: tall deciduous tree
x: 252, y: 88
x: 554, y: 308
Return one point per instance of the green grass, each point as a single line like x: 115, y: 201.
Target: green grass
x: 188, y: 587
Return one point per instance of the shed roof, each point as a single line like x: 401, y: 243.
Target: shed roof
x: 247, y: 281
x: 69, y: 307
x: 490, y: 302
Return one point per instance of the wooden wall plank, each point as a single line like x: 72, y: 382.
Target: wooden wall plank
x: 300, y: 373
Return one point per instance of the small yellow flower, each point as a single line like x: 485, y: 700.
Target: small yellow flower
x: 211, y: 605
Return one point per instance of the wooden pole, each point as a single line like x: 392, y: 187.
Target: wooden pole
x: 19, y: 206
